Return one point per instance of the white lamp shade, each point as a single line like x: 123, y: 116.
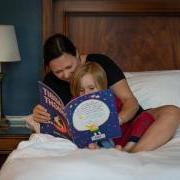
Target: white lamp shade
x: 8, y: 44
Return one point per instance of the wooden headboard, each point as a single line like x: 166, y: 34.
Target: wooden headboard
x: 138, y: 35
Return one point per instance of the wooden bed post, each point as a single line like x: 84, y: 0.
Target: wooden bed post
x: 47, y: 18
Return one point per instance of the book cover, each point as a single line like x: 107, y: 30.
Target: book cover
x: 86, y: 119
x: 58, y: 125
x: 93, y: 117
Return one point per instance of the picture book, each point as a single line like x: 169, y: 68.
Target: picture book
x: 84, y: 120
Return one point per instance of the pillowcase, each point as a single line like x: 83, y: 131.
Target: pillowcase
x: 155, y: 88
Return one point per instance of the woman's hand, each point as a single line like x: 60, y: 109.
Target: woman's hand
x: 120, y: 120
x: 40, y: 114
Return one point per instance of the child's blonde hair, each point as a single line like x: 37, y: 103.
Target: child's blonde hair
x: 92, y: 68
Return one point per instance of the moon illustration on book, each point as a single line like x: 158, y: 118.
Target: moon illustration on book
x: 90, y: 113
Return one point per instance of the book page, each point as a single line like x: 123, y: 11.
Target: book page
x: 89, y: 115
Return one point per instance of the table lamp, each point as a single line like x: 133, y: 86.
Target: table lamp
x: 9, y: 52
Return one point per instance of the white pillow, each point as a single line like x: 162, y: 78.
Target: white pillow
x: 155, y: 88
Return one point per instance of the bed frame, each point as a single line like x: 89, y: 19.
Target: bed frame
x: 139, y: 36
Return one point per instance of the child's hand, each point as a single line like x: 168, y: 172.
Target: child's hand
x: 93, y: 146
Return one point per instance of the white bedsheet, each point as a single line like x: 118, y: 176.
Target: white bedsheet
x: 44, y: 157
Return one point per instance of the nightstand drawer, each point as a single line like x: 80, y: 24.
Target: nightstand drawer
x: 7, y: 144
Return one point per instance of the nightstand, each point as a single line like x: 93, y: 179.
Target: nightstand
x: 10, y: 138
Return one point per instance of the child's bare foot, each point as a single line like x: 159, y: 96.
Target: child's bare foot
x: 118, y: 147
x: 129, y: 146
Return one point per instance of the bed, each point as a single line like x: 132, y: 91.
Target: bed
x: 143, y: 39
x: 45, y: 157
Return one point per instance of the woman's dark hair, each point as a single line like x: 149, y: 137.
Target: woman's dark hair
x: 55, y: 46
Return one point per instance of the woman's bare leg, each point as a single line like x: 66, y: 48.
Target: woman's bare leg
x: 167, y: 120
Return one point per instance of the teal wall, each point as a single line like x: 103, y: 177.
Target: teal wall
x: 20, y: 91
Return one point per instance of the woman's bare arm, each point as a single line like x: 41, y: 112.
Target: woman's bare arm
x: 130, y: 103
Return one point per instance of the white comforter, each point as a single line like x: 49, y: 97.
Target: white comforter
x: 44, y: 157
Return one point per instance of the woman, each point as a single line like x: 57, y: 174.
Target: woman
x: 61, y: 59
